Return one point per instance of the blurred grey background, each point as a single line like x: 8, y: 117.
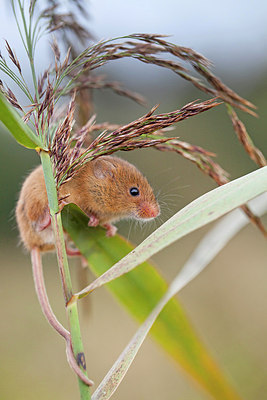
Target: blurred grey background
x: 226, y: 303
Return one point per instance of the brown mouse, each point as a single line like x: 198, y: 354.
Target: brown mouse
x: 106, y: 189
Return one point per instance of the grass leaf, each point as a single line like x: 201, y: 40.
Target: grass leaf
x: 204, y: 253
x: 198, y: 213
x: 139, y: 291
x: 18, y: 129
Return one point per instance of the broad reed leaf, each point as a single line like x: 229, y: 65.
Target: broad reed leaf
x: 204, y: 253
x: 18, y: 129
x: 140, y: 291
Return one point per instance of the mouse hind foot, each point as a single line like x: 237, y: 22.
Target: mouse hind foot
x: 111, y: 229
x: 44, y: 221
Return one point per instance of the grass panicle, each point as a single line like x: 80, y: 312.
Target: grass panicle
x: 88, y: 81
x: 151, y: 49
x: 254, y: 153
x: 137, y: 134
x: 75, y: 73
x: 13, y: 57
x: 199, y: 156
x: 68, y: 24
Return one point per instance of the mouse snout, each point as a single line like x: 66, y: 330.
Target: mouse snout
x: 148, y: 211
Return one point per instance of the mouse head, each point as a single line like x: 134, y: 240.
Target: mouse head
x: 124, y: 191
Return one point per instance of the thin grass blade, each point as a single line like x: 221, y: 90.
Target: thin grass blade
x: 139, y: 292
x: 200, y: 212
x: 205, y: 252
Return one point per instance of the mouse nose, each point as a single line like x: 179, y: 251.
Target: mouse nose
x: 147, y: 210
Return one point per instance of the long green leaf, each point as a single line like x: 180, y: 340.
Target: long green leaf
x: 206, y: 250
x: 139, y: 291
x: 18, y: 129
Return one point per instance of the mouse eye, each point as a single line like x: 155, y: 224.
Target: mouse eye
x: 134, y: 191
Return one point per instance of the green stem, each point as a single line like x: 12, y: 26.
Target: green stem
x: 29, y: 48
x: 62, y: 256
x: 77, y: 346
x: 71, y: 305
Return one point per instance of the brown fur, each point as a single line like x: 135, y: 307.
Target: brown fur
x: 100, y: 189
x: 31, y: 206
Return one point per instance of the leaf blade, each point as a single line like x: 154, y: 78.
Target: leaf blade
x: 19, y: 130
x: 212, y: 243
x: 139, y: 291
x: 198, y: 213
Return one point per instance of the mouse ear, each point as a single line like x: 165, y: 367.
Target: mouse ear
x: 103, y: 169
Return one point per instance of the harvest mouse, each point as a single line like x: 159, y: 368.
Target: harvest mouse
x: 107, y: 189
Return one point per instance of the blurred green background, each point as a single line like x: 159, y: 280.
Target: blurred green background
x: 226, y: 303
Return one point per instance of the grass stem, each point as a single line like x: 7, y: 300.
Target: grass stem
x: 71, y: 306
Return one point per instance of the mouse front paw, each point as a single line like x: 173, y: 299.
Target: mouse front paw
x: 111, y: 229
x: 93, y: 221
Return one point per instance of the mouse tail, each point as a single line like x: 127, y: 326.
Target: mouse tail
x: 37, y: 269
